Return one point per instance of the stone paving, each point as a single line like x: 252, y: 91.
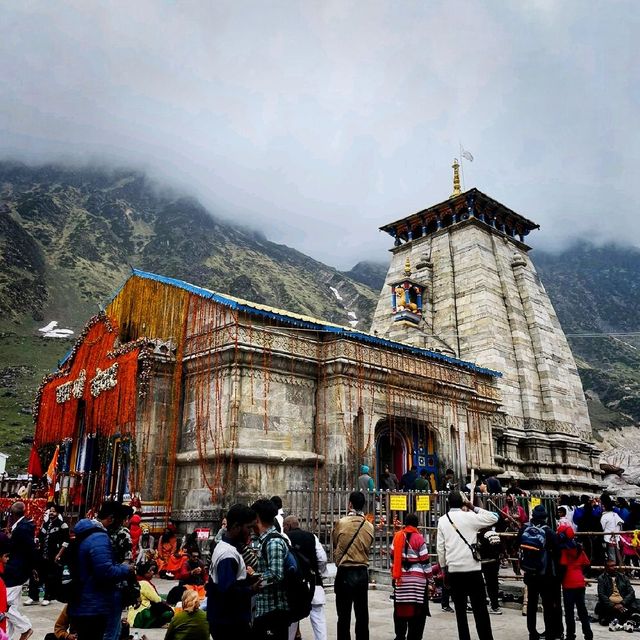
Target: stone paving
x: 509, y: 626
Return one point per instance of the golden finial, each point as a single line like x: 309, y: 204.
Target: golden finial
x: 407, y: 267
x: 456, y: 179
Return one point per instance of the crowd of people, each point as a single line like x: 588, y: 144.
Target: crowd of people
x: 265, y: 573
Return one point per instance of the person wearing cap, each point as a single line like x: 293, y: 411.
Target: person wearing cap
x: 545, y: 583
x: 573, y: 559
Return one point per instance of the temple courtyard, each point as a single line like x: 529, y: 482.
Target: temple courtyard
x: 508, y: 626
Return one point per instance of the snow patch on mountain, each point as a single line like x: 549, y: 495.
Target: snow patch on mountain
x: 51, y: 331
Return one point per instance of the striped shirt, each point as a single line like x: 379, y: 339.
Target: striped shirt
x: 411, y: 586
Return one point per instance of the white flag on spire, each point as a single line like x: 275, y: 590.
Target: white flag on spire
x: 467, y: 155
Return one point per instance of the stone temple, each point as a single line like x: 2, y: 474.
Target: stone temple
x: 191, y: 399
x: 461, y: 282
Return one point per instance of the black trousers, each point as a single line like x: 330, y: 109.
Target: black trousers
x: 547, y: 589
x: 575, y: 598
x: 89, y: 627
x: 272, y: 626
x: 351, y: 588
x: 230, y: 631
x: 470, y: 584
x: 490, y: 572
x: 410, y: 628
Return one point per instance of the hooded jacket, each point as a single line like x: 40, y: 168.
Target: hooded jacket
x: 98, y: 574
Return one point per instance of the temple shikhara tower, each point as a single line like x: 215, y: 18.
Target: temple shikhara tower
x: 461, y: 282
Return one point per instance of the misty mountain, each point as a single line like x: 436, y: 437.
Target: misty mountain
x: 68, y: 240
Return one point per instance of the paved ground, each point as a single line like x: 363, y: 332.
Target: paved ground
x: 509, y: 626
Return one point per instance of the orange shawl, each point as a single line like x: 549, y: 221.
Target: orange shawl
x: 399, y: 541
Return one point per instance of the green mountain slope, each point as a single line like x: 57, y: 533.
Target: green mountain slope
x: 67, y: 241
x: 595, y: 291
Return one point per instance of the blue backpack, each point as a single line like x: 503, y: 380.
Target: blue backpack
x: 533, y: 549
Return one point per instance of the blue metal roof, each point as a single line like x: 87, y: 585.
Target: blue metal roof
x: 305, y: 322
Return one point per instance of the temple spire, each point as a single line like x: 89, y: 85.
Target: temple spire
x: 407, y: 267
x: 456, y: 179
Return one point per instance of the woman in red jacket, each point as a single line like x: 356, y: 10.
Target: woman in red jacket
x: 573, y: 559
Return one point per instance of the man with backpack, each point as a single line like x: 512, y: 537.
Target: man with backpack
x: 457, y: 552
x: 94, y: 574
x: 539, y: 557
x: 313, y: 559
x: 272, y: 616
x: 352, y: 540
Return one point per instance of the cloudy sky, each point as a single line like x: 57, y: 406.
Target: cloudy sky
x: 318, y: 121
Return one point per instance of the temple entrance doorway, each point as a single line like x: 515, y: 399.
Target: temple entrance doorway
x: 402, y: 443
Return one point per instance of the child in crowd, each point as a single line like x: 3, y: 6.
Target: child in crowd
x: 573, y: 560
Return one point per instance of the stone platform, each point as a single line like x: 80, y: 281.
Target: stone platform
x: 508, y: 626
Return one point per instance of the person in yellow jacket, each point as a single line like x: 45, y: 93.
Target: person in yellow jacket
x: 152, y: 612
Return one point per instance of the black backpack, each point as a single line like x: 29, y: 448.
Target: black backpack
x: 299, y: 584
x: 69, y: 589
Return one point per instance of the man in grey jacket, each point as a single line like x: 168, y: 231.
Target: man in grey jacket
x: 457, y: 554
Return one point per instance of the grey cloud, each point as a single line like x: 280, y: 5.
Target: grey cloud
x: 320, y: 121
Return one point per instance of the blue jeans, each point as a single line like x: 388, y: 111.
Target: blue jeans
x: 114, y: 619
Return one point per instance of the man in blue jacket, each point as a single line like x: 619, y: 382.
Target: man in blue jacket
x: 19, y: 568
x: 97, y: 575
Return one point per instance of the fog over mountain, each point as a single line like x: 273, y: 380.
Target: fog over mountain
x: 318, y: 122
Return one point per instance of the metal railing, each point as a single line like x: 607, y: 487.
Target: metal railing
x: 318, y: 511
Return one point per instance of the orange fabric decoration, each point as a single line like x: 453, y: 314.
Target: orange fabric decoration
x: 111, y: 411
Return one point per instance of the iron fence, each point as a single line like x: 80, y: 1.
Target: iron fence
x: 318, y: 511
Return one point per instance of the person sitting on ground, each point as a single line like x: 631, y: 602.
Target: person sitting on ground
x: 192, y: 574
x: 146, y: 547
x: 152, y: 612
x: 62, y: 629
x: 168, y: 555
x: 190, y: 623
x: 616, y: 597
x: 191, y: 543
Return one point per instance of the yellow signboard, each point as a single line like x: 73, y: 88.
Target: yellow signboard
x: 423, y: 503
x: 398, y: 502
x: 534, y: 502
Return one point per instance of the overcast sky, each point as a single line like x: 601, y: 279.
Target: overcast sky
x: 318, y: 121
